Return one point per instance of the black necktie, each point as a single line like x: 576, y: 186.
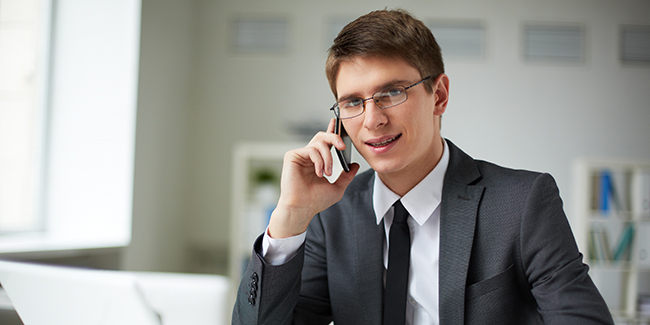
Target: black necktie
x: 397, y: 276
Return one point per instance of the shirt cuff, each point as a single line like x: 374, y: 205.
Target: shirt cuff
x: 278, y: 251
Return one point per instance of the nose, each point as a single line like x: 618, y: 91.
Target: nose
x: 374, y: 116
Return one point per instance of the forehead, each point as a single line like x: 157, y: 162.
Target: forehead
x: 365, y: 75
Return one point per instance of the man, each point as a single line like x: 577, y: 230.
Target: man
x: 484, y: 244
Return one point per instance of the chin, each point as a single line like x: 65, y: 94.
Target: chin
x: 386, y: 167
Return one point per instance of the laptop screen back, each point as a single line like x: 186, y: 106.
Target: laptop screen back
x: 48, y: 295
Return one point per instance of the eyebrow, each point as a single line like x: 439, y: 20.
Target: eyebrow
x: 388, y: 84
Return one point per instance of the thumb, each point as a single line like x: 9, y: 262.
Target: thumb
x: 345, y: 178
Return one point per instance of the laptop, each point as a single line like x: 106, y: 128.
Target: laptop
x: 57, y: 295
x: 64, y: 295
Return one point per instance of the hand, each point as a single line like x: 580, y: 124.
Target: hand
x: 304, y: 190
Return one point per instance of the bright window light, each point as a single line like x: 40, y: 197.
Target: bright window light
x: 67, y: 123
x: 23, y: 39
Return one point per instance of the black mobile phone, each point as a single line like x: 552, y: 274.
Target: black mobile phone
x: 345, y: 155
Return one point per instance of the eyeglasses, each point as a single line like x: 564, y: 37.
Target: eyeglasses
x: 353, y: 107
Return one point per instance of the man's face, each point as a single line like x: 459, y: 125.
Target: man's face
x: 401, y: 140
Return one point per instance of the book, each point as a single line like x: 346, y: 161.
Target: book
x: 599, y: 240
x: 611, y: 192
x: 605, y: 191
x: 624, y: 247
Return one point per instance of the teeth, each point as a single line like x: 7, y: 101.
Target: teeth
x: 383, y: 143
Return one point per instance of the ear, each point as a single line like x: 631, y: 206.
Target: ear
x: 441, y: 89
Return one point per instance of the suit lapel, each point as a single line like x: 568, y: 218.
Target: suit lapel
x: 369, y: 256
x: 459, y: 207
x: 458, y: 213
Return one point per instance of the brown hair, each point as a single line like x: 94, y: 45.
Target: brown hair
x: 387, y: 33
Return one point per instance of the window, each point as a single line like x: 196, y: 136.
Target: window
x: 78, y: 159
x: 23, y: 52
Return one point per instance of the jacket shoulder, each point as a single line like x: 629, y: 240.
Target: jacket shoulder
x: 465, y: 169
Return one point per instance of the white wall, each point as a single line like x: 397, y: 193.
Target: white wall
x: 162, y: 158
x: 198, y: 98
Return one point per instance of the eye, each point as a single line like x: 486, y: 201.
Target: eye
x: 351, y: 103
x: 393, y: 92
x: 390, y: 94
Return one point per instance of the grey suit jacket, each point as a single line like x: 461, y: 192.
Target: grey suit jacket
x: 507, y: 256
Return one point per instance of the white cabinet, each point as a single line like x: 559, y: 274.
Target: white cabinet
x: 613, y: 207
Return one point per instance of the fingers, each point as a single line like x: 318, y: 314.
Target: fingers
x: 322, y: 142
x: 318, y: 152
x: 320, y: 161
x: 316, y: 155
x: 339, y: 144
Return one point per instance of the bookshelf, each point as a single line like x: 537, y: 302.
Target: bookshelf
x: 613, y: 207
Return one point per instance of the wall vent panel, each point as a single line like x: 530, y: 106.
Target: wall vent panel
x: 266, y: 35
x: 459, y: 39
x: 559, y: 43
x: 635, y: 44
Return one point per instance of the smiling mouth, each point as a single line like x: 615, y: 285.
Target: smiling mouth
x: 383, y: 143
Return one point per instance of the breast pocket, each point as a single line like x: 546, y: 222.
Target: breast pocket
x: 499, y: 300
x: 501, y: 281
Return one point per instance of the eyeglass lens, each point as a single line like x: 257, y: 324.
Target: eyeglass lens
x: 392, y: 97
x: 383, y: 99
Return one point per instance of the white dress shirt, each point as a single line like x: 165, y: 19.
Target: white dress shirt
x: 423, y: 204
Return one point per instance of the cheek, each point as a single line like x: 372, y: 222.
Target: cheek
x: 420, y: 118
x: 420, y: 130
x: 353, y: 131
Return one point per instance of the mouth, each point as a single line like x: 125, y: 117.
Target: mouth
x: 383, y: 143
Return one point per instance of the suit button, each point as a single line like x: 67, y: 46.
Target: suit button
x: 252, y: 294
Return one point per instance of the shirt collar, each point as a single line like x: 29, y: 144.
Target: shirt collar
x: 421, y: 200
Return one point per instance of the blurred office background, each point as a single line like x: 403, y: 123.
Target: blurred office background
x: 199, y: 95
x: 204, y: 81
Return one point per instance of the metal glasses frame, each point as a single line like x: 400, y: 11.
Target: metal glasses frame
x: 337, y: 112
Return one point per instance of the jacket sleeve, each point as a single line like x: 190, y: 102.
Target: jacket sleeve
x: 292, y: 293
x: 559, y: 281
x: 267, y: 294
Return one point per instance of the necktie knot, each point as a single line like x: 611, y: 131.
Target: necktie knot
x: 400, y: 212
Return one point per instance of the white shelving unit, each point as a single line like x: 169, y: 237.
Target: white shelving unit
x: 613, y: 207
x: 247, y: 222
